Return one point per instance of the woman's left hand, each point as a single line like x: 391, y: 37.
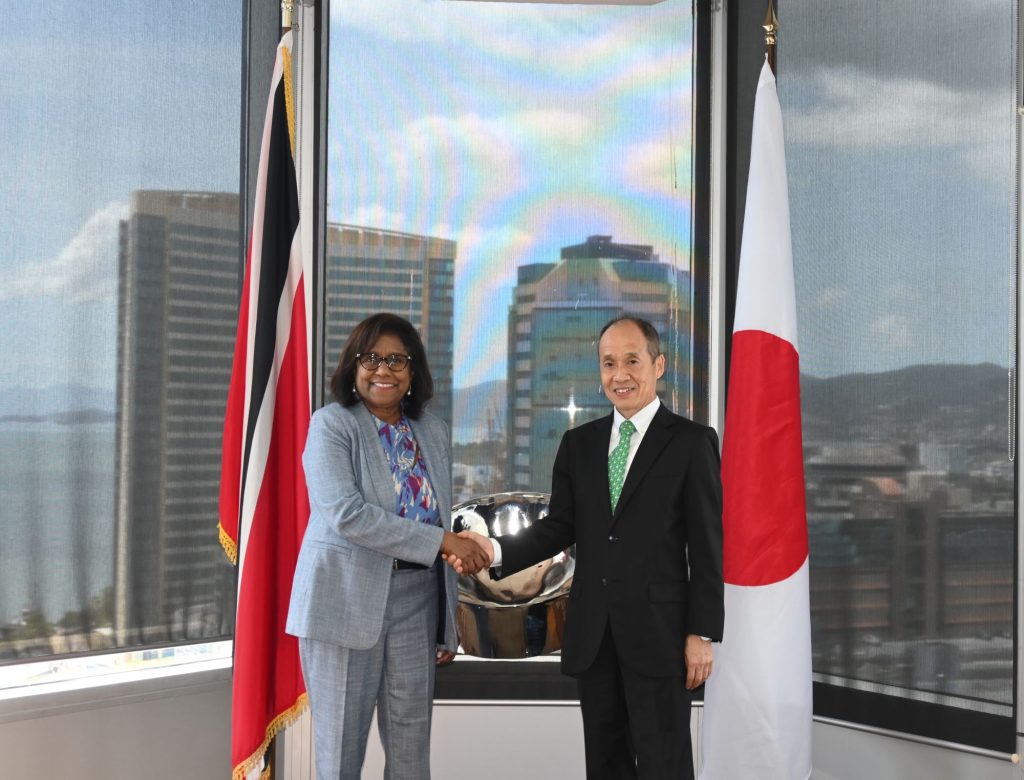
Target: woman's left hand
x: 445, y: 657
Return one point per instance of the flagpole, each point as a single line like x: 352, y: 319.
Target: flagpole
x: 270, y: 757
x: 771, y: 31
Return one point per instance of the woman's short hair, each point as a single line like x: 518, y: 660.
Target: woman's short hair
x: 361, y: 339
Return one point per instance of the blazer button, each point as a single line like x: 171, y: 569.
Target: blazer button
x: 604, y: 581
x: 613, y: 538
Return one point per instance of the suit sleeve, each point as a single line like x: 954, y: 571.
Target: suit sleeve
x: 703, y: 510
x: 552, y: 534
x: 336, y: 495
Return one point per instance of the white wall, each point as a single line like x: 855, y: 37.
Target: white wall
x: 169, y: 728
x: 177, y: 728
x: 849, y: 754
x: 547, y: 742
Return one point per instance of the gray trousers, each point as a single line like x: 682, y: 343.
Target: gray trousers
x: 396, y: 675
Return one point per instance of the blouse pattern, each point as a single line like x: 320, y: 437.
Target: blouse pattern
x: 414, y: 492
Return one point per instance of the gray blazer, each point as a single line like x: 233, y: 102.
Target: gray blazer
x: 343, y: 573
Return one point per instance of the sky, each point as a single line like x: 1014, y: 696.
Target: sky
x: 899, y: 136
x: 100, y: 99
x: 899, y: 140
x: 515, y: 130
x: 518, y: 129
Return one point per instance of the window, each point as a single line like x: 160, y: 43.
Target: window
x: 120, y: 292
x: 543, y: 151
x: 899, y: 145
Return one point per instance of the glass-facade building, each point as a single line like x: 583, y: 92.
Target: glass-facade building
x: 558, y: 311
x: 177, y: 304
x: 371, y: 270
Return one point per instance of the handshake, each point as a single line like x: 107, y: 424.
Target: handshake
x: 467, y: 552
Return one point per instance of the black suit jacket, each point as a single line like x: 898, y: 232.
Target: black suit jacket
x: 653, y: 571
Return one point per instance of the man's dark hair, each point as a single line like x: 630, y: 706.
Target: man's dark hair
x: 650, y: 334
x: 360, y: 341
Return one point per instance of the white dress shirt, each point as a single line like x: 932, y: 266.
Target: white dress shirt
x: 642, y: 421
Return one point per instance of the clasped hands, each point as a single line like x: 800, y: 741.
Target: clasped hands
x: 467, y: 552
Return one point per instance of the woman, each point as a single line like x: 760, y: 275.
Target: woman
x: 372, y: 606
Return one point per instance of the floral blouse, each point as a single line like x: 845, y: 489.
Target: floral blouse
x: 416, y: 499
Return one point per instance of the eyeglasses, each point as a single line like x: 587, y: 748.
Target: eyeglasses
x: 371, y: 361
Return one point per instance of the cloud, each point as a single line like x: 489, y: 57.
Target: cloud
x: 549, y: 127
x: 441, y: 166
x: 474, y: 140
x: 657, y: 167
x: 829, y: 297
x: 437, y: 21
x: 861, y: 112
x: 541, y: 37
x: 897, y: 331
x: 495, y: 245
x: 494, y: 142
x: 84, y: 271
x: 894, y: 331
x: 937, y: 40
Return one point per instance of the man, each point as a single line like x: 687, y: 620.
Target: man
x: 638, y: 492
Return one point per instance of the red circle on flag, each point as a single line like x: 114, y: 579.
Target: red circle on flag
x: 764, y: 513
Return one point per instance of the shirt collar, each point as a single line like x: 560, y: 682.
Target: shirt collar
x: 402, y: 424
x: 642, y: 419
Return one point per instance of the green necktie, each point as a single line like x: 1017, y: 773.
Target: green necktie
x: 617, y: 461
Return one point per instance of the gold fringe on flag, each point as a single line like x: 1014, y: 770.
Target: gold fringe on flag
x: 229, y: 545
x: 289, y: 95
x: 278, y: 724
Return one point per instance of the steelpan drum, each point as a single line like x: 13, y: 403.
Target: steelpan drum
x: 522, y: 614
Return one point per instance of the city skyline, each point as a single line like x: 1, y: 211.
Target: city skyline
x: 513, y: 146
x: 59, y: 269
x: 178, y: 290
x: 75, y: 77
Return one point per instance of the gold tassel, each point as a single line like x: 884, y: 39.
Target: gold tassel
x: 278, y: 724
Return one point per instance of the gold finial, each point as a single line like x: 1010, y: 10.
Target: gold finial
x: 286, y: 14
x: 771, y: 31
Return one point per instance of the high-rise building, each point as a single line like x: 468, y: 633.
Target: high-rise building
x: 177, y: 309
x: 557, y: 311
x: 911, y: 571
x: 371, y: 270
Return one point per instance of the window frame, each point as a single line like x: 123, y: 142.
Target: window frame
x: 541, y: 680
x: 868, y: 710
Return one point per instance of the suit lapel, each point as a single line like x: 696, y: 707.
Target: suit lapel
x: 654, y: 441
x: 595, y: 454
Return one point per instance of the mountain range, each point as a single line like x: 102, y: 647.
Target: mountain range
x: 964, y: 403
x: 65, y: 404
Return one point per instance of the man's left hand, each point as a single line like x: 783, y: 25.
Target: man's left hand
x: 698, y: 661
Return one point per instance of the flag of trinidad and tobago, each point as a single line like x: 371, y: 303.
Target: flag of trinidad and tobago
x: 264, y: 507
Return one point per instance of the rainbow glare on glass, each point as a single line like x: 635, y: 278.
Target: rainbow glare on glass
x: 371, y: 361
x: 514, y: 130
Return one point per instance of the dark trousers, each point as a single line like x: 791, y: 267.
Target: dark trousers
x: 634, y: 726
